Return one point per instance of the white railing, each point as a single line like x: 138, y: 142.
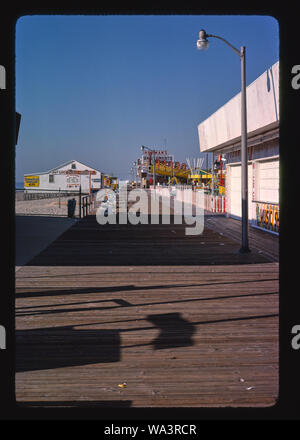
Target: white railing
x: 216, y: 204
x: 211, y: 203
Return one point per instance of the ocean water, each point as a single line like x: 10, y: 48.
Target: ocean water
x: 19, y: 185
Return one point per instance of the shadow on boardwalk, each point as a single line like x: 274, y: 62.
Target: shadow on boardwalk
x: 184, y: 321
x: 87, y: 243
x: 59, y: 347
x: 48, y: 348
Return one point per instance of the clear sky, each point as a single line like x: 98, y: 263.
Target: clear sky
x: 96, y: 88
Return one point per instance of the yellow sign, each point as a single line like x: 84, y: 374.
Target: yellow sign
x: 31, y: 181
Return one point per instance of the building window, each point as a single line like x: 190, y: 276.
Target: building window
x: 73, y: 166
x: 51, y: 178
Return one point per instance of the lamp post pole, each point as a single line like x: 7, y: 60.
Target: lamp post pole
x: 202, y: 44
x: 244, y: 155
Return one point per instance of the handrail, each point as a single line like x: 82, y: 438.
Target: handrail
x: 266, y: 203
x: 86, y: 202
x: 267, y: 216
x: 38, y: 195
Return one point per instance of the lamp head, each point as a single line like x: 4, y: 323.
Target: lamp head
x: 202, y: 43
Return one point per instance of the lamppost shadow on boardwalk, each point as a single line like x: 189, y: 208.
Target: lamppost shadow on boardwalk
x: 174, y: 331
x: 59, y: 347
x: 44, y: 310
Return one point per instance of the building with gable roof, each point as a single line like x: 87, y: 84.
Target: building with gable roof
x: 70, y: 176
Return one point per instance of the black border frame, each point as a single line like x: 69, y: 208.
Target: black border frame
x: 288, y: 404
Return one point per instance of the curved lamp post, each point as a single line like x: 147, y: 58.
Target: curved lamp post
x: 203, y: 44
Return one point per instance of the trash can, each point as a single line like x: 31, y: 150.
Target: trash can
x: 71, y: 207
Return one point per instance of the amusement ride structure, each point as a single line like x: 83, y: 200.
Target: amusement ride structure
x: 166, y: 170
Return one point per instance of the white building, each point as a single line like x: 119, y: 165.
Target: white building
x: 221, y: 133
x: 66, y: 177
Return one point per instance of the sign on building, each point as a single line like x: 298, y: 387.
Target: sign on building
x: 30, y: 181
x: 73, y: 181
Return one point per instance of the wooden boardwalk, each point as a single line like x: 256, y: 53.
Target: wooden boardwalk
x: 175, y: 320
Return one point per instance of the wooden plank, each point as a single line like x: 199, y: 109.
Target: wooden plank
x: 88, y: 243
x: 260, y: 241
x: 180, y: 322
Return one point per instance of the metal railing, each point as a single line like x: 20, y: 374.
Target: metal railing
x: 86, y: 204
x: 40, y: 194
x: 267, y: 216
x: 182, y: 187
x: 54, y: 203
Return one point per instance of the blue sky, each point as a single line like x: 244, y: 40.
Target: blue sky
x: 96, y: 88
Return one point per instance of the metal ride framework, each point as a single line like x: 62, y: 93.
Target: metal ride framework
x: 178, y: 173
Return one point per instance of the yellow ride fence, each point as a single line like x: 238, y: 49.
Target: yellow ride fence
x: 267, y: 216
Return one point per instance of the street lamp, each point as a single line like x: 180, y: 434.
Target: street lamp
x: 203, y: 44
x: 153, y: 151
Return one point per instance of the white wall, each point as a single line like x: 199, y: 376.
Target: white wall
x: 233, y: 190
x: 263, y: 186
x: 268, y: 181
x: 262, y: 110
x: 69, y: 182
